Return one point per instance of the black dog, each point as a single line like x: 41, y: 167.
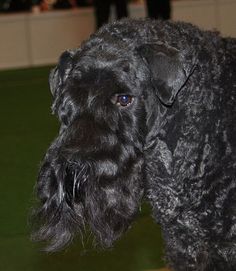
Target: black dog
x: 147, y: 110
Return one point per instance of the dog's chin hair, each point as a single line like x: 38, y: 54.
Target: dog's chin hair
x: 60, y: 230
x: 67, y: 189
x: 56, y: 219
x: 111, y: 208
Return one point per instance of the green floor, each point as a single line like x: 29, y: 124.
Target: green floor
x: 27, y: 128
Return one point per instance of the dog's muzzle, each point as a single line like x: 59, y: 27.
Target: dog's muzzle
x: 92, y: 176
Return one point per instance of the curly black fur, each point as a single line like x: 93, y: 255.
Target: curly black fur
x: 173, y: 144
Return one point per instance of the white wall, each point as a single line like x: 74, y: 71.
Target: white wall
x: 14, y: 41
x: 38, y: 39
x: 208, y: 14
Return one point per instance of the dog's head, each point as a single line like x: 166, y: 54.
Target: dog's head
x: 93, y: 172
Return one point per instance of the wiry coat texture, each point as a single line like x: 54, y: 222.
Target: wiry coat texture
x: 173, y: 143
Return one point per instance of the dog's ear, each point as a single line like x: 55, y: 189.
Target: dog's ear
x: 168, y: 74
x: 58, y: 75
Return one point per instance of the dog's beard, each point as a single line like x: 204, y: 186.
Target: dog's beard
x: 74, y: 192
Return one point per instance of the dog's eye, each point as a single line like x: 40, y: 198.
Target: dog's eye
x: 122, y: 100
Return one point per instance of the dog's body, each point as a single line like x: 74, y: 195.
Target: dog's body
x: 147, y: 110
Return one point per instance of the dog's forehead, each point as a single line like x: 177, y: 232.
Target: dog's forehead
x: 108, y: 69
x: 101, y: 58
x: 105, y: 81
